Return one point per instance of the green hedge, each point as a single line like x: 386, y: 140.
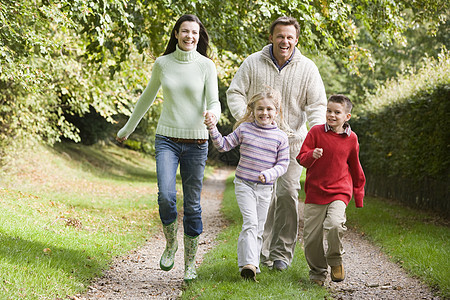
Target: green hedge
x: 405, y: 143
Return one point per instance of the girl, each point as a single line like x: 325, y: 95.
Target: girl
x: 189, y: 81
x: 264, y: 156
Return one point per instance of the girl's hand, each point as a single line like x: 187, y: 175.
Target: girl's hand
x: 262, y: 178
x: 317, y: 153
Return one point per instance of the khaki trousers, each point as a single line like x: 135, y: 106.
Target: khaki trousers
x: 319, y: 220
x: 281, y: 229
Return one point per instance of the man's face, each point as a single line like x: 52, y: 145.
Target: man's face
x: 284, y: 39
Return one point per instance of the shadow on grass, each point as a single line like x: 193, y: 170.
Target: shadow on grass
x: 110, y: 161
x: 33, y: 255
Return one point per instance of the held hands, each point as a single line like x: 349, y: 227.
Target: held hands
x: 210, y: 119
x: 317, y: 153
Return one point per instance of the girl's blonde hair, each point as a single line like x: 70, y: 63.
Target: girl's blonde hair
x: 267, y: 93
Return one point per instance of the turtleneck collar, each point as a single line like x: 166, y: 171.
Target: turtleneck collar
x: 185, y: 56
x: 268, y: 126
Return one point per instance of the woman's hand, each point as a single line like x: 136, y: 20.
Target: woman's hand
x: 121, y: 140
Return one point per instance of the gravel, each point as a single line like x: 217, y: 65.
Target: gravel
x: 369, y: 272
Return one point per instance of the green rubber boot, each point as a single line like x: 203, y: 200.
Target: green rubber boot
x: 168, y: 256
x: 190, y: 250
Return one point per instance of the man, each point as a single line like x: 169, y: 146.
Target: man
x: 282, y: 66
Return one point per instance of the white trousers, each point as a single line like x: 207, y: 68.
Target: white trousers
x: 253, y: 200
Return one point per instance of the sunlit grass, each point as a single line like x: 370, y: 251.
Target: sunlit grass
x: 65, y: 215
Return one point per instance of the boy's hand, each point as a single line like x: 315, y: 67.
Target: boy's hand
x: 317, y: 153
x: 210, y: 119
x: 262, y: 178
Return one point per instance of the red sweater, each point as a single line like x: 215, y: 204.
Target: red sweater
x: 338, y: 173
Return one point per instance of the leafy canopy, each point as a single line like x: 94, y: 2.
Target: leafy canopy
x: 62, y: 58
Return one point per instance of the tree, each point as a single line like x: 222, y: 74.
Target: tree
x: 330, y: 26
x: 61, y: 58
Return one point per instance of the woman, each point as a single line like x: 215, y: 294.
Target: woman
x: 189, y: 81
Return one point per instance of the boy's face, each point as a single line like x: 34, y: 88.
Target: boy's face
x: 337, y: 115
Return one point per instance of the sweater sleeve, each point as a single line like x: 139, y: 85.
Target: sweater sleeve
x: 316, y: 102
x: 238, y: 91
x: 212, y: 92
x: 281, y: 165
x: 143, y: 104
x: 305, y: 157
x: 224, y: 144
x: 357, y: 174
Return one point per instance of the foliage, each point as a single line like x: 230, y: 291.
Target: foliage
x: 243, y: 25
x: 63, y: 60
x: 404, y: 137
x: 392, y: 60
x: 47, y: 81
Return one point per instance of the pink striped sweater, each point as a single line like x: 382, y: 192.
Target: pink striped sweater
x: 262, y: 150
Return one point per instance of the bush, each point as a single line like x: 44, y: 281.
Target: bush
x: 404, y: 139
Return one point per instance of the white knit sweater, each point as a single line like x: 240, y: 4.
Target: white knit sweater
x: 300, y: 84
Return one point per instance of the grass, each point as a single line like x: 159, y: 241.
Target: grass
x: 416, y: 240
x: 66, y: 213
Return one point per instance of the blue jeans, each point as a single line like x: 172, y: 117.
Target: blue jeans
x: 192, y: 161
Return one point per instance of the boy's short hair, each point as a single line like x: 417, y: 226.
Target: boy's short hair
x: 342, y: 99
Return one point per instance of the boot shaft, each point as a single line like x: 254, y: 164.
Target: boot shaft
x: 190, y: 250
x: 170, y: 232
x: 190, y: 247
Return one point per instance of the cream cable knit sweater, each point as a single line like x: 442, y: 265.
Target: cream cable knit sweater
x: 300, y: 84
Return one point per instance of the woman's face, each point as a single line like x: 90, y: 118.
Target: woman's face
x: 188, y: 35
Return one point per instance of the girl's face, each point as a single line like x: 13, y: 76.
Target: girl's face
x: 337, y: 116
x: 188, y: 35
x: 265, y: 112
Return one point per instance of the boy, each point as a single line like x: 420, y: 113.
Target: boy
x: 330, y: 153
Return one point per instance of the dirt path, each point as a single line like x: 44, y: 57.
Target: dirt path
x: 370, y: 274
x: 138, y: 276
